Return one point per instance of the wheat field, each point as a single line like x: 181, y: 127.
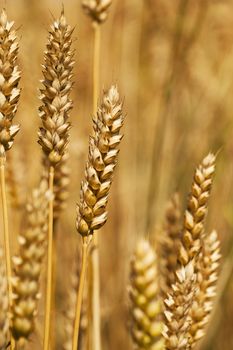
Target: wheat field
x: 116, y: 174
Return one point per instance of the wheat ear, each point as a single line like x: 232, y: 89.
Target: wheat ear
x: 190, y: 256
x: 102, y: 159
x: 4, y: 322
x: 196, y: 212
x: 169, y: 244
x: 177, y: 313
x: 207, y: 277
x: 28, y: 264
x: 144, y: 293
x: 97, y: 10
x: 54, y: 133
x: 9, y: 97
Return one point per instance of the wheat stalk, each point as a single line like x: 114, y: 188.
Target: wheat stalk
x: 70, y: 313
x: 54, y: 133
x: 102, y: 159
x: 146, y: 305
x: 9, y: 97
x: 28, y: 264
x: 4, y: 322
x: 97, y: 10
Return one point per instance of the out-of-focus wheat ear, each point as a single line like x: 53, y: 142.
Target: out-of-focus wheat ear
x: 169, y: 244
x: 70, y: 311
x: 208, y: 266
x: 97, y: 10
x: 177, y: 313
x: 54, y: 132
x: 145, y: 306
x: 14, y: 180
x: 4, y: 322
x: 28, y: 263
x: 196, y: 212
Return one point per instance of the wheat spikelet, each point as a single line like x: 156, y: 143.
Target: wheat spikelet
x: 169, y: 243
x: 146, y: 306
x: 207, y: 277
x: 195, y: 214
x: 9, y: 81
x: 177, y: 313
x: 70, y: 313
x: 56, y: 103
x: 28, y: 264
x: 97, y: 9
x: 101, y: 164
x: 4, y: 323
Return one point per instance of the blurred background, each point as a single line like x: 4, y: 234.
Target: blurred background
x: 173, y: 64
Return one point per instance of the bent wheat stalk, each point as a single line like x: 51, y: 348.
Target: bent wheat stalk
x: 54, y: 133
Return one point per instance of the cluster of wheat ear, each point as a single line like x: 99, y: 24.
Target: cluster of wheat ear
x: 172, y: 283
x: 183, y: 277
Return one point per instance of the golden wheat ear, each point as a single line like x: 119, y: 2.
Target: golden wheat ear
x: 178, y: 305
x: 9, y: 82
x: 28, y: 264
x: 94, y: 193
x: 208, y: 266
x: 102, y: 160
x: 146, y: 306
x: 195, y: 215
x: 97, y: 10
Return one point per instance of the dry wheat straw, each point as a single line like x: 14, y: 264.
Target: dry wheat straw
x: 4, y: 322
x: 28, y: 264
x: 9, y: 97
x: 102, y: 160
x: 169, y: 243
x: 146, y: 306
x: 54, y: 133
x: 70, y: 313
